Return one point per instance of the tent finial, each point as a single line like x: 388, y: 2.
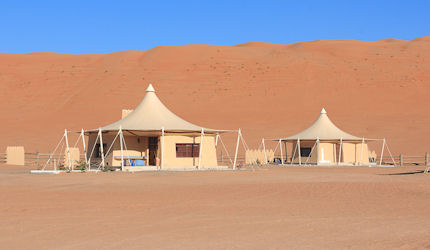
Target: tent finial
x: 323, y: 111
x: 150, y: 88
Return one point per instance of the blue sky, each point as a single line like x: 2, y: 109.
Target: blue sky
x: 84, y: 27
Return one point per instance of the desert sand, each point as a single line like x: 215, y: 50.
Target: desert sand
x: 270, y: 208
x: 372, y: 89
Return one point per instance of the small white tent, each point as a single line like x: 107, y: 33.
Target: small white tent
x: 323, y: 143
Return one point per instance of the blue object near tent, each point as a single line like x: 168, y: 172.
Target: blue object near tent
x: 139, y: 162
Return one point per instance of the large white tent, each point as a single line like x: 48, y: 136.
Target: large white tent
x: 154, y: 137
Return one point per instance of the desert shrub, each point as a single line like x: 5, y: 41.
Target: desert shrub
x: 107, y: 169
x: 81, y: 165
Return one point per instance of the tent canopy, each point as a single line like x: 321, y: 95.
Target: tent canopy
x: 323, y: 129
x: 151, y: 116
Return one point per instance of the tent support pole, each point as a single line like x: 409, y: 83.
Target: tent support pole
x: 92, y: 151
x: 264, y: 149
x: 202, y: 134
x: 216, y: 140
x: 69, y: 161
x: 53, y: 154
x: 121, y: 138
x: 392, y: 158
x: 162, y: 148
x: 300, y: 153
x: 101, y: 147
x: 280, y: 148
x: 382, y: 152
x: 318, y: 151
x: 111, y: 146
x: 361, y: 154
x: 340, y: 150
x: 126, y: 150
x: 237, y: 148
x: 294, y: 154
x: 310, y: 154
x: 83, y: 145
x: 286, y: 152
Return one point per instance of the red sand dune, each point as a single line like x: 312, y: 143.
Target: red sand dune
x: 372, y: 89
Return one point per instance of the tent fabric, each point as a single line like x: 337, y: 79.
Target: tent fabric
x: 324, y: 129
x: 152, y: 115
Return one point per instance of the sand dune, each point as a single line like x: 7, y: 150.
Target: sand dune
x: 373, y: 89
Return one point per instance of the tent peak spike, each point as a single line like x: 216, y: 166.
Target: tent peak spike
x: 323, y: 111
x: 150, y: 88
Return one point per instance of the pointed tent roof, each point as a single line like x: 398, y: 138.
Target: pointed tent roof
x: 152, y: 115
x: 324, y: 129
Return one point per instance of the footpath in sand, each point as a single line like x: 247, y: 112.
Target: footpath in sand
x: 317, y: 208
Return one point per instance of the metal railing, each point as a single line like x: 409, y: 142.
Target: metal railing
x: 39, y: 159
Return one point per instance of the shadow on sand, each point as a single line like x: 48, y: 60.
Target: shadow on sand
x: 406, y: 173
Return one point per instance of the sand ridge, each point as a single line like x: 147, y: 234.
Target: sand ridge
x: 373, y: 89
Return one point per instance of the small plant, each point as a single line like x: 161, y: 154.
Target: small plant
x: 107, y: 169
x: 81, y: 165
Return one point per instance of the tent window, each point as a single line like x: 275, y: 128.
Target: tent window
x: 98, y: 150
x: 305, y: 152
x: 187, y: 150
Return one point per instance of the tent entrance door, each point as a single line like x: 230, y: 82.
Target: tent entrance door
x: 153, y: 148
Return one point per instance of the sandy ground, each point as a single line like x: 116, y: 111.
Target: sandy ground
x: 302, y: 208
x: 373, y: 89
